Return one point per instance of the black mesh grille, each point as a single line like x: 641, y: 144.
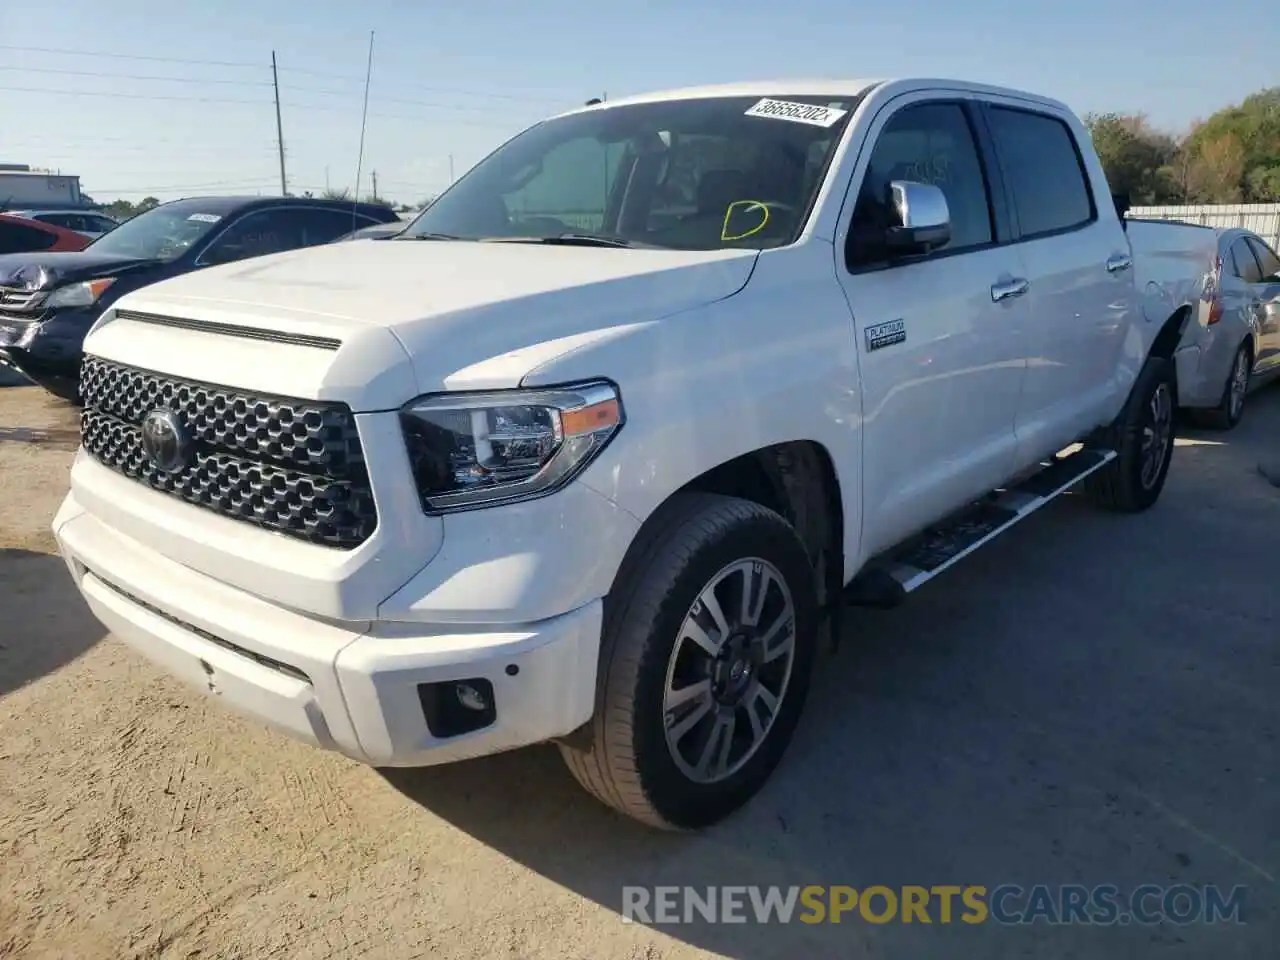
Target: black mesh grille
x: 295, y: 466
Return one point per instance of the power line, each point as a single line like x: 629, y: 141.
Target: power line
x: 267, y: 83
x: 241, y: 64
x: 135, y: 76
x: 133, y: 96
x: 247, y: 182
x: 132, y: 56
x: 261, y: 103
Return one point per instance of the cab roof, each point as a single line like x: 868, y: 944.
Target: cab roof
x: 851, y: 88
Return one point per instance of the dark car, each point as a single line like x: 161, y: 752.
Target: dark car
x: 376, y: 231
x: 48, y: 301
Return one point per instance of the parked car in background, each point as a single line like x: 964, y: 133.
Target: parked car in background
x: 88, y: 222
x: 1237, y: 347
x: 589, y: 453
x: 19, y: 235
x: 377, y: 231
x: 48, y: 300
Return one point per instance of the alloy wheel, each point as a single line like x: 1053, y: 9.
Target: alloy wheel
x: 729, y: 670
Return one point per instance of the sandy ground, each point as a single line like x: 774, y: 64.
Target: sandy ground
x: 1092, y: 699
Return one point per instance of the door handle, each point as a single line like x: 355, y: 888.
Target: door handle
x: 1118, y: 263
x: 1009, y: 288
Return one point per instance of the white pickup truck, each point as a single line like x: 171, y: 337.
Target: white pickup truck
x: 597, y: 450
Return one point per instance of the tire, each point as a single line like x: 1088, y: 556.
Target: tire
x: 1230, y: 409
x: 1128, y: 484
x: 623, y: 756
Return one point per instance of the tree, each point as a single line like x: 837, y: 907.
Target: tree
x: 338, y: 193
x: 1216, y: 169
x: 1236, y: 152
x: 1136, y: 157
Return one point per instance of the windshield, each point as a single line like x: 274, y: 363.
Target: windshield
x: 162, y: 233
x: 696, y: 174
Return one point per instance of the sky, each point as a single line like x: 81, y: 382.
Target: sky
x: 175, y: 99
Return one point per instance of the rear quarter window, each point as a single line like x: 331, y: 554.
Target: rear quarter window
x: 19, y: 238
x: 1267, y: 260
x: 1042, y: 165
x: 1243, y: 265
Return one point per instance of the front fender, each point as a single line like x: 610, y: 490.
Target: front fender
x: 775, y: 363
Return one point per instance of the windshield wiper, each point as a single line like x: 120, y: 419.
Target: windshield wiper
x: 568, y: 240
x: 426, y: 236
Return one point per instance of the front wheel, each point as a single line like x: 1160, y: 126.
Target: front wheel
x: 1143, y: 438
x: 708, y: 642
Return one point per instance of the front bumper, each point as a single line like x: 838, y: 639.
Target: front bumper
x: 1203, y: 366
x: 48, y: 347
x: 353, y: 687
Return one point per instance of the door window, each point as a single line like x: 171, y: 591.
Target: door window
x: 1246, y: 265
x: 317, y: 225
x: 256, y: 235
x: 65, y: 220
x: 1267, y: 260
x: 928, y: 143
x: 1043, y: 168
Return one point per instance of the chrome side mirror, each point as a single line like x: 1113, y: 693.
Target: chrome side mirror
x: 924, y: 222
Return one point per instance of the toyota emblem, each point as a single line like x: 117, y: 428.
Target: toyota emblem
x: 166, y: 441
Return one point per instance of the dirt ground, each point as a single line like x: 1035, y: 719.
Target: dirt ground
x: 1092, y: 699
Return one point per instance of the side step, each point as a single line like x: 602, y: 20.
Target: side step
x: 886, y: 580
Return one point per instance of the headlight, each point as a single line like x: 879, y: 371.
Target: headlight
x: 479, y: 449
x: 79, y: 294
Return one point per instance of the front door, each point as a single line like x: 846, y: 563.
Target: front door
x: 941, y: 358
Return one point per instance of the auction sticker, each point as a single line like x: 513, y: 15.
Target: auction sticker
x: 810, y: 113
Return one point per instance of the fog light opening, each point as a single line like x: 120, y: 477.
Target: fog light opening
x: 452, y: 708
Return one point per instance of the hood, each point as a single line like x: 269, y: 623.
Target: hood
x: 460, y: 310
x: 44, y: 271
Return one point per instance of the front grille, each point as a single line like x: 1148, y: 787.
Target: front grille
x: 293, y: 466
x: 18, y: 298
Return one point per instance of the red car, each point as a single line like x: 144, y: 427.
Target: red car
x: 18, y: 235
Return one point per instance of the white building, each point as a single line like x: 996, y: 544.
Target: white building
x: 20, y: 186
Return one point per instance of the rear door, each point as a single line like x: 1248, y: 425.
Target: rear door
x: 1266, y: 305
x: 941, y: 358
x: 324, y: 225
x: 1077, y: 259
x: 1240, y: 276
x: 255, y: 234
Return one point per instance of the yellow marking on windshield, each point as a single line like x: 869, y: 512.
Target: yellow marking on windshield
x: 746, y: 205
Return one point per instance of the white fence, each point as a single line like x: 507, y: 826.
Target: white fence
x: 1262, y: 218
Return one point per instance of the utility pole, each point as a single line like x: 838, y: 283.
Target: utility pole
x: 374, y: 174
x: 275, y: 82
x: 451, y: 169
x: 326, y: 178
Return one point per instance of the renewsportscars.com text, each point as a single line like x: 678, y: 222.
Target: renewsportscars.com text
x: 1007, y: 904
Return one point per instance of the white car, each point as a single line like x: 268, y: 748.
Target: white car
x: 592, y: 452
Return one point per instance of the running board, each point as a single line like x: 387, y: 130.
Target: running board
x: 886, y: 581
